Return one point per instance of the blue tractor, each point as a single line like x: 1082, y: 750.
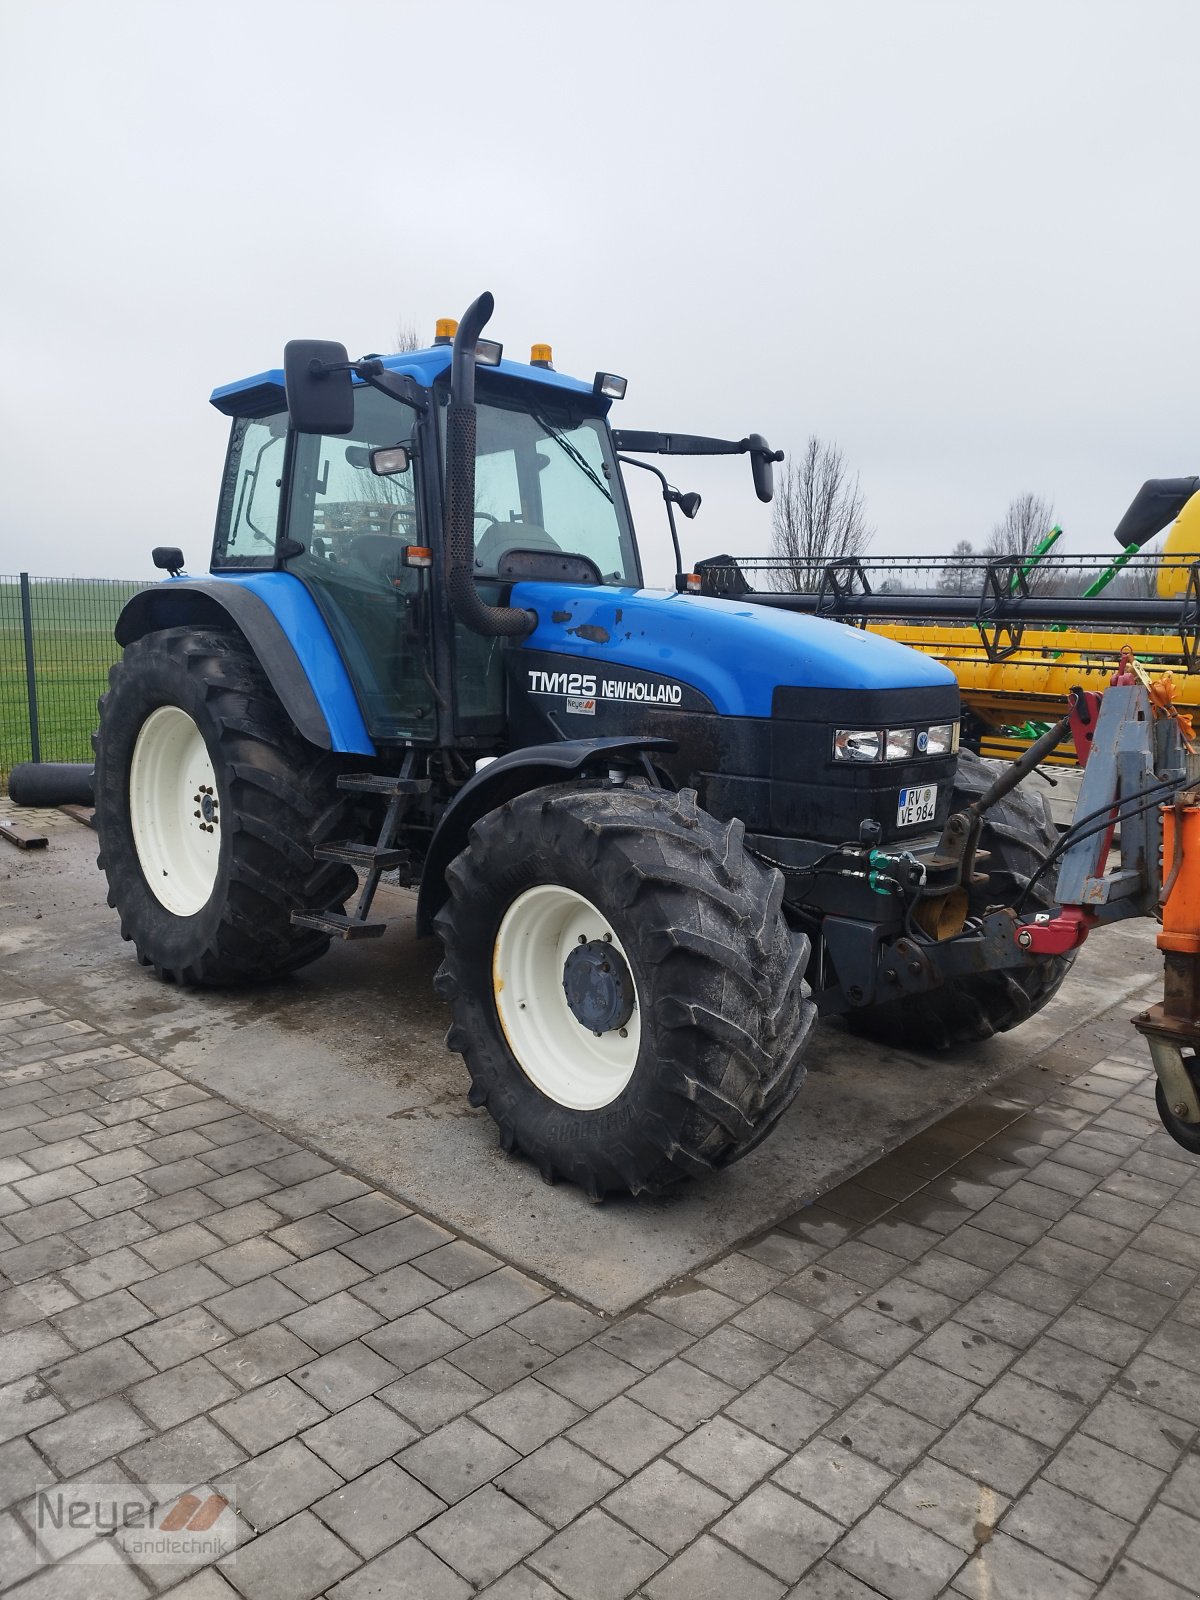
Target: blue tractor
x: 657, y: 832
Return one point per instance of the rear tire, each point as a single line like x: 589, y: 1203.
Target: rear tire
x: 1017, y: 832
x: 207, y: 860
x: 709, y: 989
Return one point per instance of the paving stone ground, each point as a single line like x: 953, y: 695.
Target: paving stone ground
x: 974, y: 1370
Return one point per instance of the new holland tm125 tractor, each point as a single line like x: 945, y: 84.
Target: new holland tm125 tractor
x: 657, y: 832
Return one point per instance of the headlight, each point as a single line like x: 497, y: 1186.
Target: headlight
x: 900, y: 742
x: 856, y: 744
x: 942, y: 740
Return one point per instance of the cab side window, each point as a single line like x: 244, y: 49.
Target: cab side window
x: 251, y: 493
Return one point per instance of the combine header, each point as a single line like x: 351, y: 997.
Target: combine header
x: 1019, y: 634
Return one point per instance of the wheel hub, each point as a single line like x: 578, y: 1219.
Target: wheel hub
x: 566, y: 997
x: 599, y: 986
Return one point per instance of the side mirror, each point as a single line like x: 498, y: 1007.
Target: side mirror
x: 761, y: 457
x: 689, y: 504
x: 316, y: 381
x: 168, y: 558
x: 387, y: 463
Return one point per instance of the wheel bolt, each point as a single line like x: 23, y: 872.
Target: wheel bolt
x: 624, y: 1033
x: 1180, y: 1110
x: 608, y: 938
x: 583, y: 938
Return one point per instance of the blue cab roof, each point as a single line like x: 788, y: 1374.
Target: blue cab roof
x: 263, y: 391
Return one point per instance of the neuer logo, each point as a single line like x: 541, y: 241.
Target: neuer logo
x: 154, y: 1523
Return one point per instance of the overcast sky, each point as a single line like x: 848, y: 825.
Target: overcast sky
x: 959, y: 239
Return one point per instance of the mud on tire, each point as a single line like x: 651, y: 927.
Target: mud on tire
x: 724, y: 1012
x: 1017, y: 833
x: 277, y: 796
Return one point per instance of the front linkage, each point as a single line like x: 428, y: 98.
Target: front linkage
x: 941, y: 940
x: 1134, y: 748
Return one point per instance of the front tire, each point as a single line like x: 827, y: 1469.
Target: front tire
x: 623, y: 986
x: 208, y: 807
x: 1017, y: 833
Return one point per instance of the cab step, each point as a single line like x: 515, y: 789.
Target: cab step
x: 382, y: 783
x: 385, y: 855
x: 372, y: 856
x: 338, y: 924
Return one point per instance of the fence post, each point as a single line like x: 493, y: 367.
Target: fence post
x: 35, y: 737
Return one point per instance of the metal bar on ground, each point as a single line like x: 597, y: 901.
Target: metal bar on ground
x: 31, y: 701
x: 22, y: 835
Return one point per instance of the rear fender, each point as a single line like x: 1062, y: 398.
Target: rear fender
x: 504, y: 779
x: 279, y: 620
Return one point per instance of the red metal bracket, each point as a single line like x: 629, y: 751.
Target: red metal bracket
x: 1085, y: 708
x: 1057, y: 935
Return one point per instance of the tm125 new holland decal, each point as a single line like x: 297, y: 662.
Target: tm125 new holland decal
x: 582, y: 689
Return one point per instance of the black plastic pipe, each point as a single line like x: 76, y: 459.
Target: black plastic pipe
x: 51, y: 783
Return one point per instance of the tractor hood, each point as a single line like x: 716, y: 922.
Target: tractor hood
x: 736, y: 654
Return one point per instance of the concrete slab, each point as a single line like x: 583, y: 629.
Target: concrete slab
x: 348, y: 1056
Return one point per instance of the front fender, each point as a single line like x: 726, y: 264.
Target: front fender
x: 279, y: 619
x: 505, y: 779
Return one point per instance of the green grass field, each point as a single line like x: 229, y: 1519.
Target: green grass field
x: 73, y: 620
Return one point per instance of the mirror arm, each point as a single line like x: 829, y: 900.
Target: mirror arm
x: 371, y: 370
x: 398, y: 385
x: 667, y: 492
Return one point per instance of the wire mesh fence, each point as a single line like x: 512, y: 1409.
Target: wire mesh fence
x: 56, y: 646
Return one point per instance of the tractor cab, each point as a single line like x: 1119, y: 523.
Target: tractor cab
x: 355, y: 511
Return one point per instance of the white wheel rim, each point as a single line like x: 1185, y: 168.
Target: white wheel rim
x: 174, y: 810
x: 569, y: 1063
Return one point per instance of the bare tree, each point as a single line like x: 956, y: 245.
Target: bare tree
x: 1027, y: 521
x: 406, y: 338
x: 958, y: 576
x: 1139, y: 580
x: 816, y: 516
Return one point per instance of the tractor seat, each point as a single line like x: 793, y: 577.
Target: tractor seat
x: 501, y: 537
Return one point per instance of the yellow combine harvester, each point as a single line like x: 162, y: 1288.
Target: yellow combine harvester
x: 1018, y: 634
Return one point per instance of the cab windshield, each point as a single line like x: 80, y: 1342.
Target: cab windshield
x: 545, y: 479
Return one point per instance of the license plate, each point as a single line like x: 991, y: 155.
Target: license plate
x: 916, y: 805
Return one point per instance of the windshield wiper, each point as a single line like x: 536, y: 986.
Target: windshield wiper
x: 576, y: 455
